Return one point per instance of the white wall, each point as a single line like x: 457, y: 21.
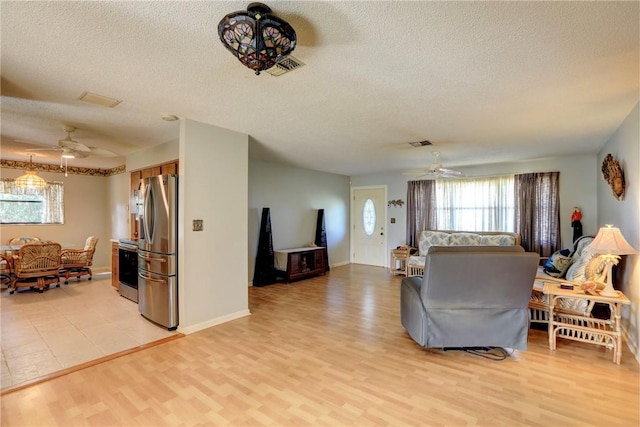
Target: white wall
x: 156, y: 155
x: 212, y: 267
x: 118, y: 211
x: 86, y: 214
x: 625, y: 214
x: 293, y: 196
x: 578, y: 175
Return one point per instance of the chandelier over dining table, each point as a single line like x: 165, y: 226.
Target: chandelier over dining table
x: 256, y: 37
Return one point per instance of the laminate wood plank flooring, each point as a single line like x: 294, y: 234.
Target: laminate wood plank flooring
x: 330, y: 351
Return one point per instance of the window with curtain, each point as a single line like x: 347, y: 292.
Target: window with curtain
x: 20, y: 206
x: 475, y: 204
x: 538, y: 211
x: 528, y: 204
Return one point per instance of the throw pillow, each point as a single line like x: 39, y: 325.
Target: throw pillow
x: 577, y: 271
x: 558, y: 263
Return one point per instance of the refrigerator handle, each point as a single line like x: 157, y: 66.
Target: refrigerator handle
x: 150, y: 279
x: 151, y: 259
x: 147, y: 215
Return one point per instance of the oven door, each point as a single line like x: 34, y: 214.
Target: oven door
x: 128, y: 267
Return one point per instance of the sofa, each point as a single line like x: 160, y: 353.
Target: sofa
x: 574, y: 266
x: 428, y: 238
x: 470, y: 296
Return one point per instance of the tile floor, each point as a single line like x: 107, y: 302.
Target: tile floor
x: 66, y: 326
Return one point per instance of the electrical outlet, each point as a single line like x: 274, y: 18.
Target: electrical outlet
x: 197, y: 225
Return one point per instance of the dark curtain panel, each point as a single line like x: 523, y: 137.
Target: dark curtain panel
x: 537, y: 211
x: 421, y: 209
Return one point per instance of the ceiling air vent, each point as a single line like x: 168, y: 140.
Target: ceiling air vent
x: 420, y: 143
x: 284, y: 66
x: 94, y: 98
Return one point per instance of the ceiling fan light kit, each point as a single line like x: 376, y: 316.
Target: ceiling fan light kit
x: 256, y: 37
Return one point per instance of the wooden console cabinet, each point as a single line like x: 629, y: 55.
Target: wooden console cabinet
x: 300, y: 263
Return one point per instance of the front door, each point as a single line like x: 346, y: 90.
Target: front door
x: 368, y: 221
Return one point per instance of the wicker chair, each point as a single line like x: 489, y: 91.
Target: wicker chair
x: 36, y: 265
x: 77, y: 262
x: 5, y: 270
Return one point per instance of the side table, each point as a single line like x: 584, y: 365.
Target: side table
x: 584, y: 327
x: 399, y: 256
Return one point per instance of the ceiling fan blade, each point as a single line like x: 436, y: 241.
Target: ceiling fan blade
x: 38, y: 144
x: 450, y: 172
x: 415, y: 172
x: 426, y: 176
x: 44, y: 149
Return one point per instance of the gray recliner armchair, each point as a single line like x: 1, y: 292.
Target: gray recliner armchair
x: 470, y: 296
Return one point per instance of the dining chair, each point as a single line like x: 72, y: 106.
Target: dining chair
x: 78, y: 262
x: 36, y: 266
x: 5, y: 270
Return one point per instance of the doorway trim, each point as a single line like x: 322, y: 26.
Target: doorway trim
x: 352, y: 222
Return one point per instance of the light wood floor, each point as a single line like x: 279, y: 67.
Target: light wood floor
x: 331, y: 351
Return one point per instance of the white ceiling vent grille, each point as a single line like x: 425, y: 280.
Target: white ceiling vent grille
x: 284, y: 66
x: 94, y: 98
x: 420, y: 143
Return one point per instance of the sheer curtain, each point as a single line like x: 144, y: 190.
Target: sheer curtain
x: 538, y: 211
x: 475, y: 204
x: 53, y: 199
x: 421, y: 202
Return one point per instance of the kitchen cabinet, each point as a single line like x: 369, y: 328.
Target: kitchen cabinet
x: 114, y: 266
x: 169, y: 168
x: 146, y: 173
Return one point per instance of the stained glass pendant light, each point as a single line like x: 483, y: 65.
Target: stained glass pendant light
x: 30, y: 181
x: 256, y: 37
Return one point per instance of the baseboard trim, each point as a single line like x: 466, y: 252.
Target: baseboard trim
x: 630, y: 344
x: 213, y: 322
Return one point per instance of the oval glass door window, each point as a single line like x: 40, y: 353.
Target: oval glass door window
x: 369, y: 217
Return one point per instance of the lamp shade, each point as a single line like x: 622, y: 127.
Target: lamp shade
x: 610, y: 240
x: 256, y: 37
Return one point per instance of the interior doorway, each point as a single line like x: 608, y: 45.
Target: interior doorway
x: 368, y: 225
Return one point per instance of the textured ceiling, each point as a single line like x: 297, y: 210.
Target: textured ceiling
x: 485, y: 82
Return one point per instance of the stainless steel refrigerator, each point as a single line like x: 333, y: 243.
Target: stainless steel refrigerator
x: 158, y: 250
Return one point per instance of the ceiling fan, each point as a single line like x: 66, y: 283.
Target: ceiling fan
x: 71, y: 149
x: 435, y: 170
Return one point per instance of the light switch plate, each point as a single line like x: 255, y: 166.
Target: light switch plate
x: 197, y: 225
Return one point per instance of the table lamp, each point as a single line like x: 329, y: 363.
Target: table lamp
x: 611, y: 244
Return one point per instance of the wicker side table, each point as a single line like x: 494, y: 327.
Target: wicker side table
x: 585, y: 328
x: 399, y: 261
